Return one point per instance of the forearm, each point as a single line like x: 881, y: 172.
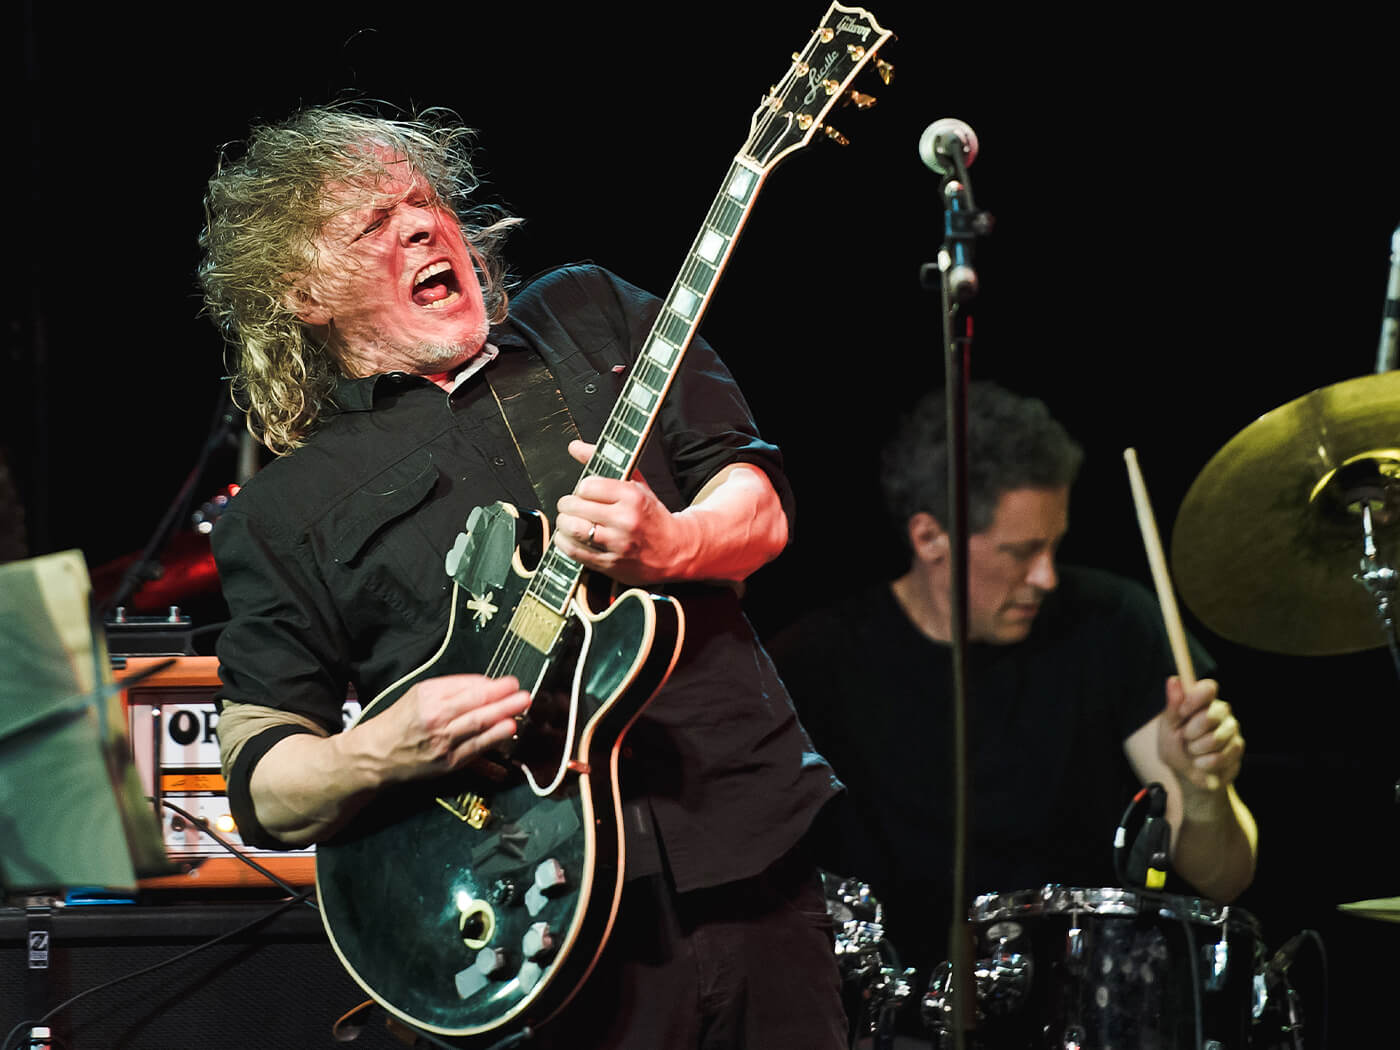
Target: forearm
x: 735, y: 526
x: 1216, y: 842
x: 306, y: 787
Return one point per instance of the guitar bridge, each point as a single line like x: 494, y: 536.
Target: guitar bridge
x: 469, y: 808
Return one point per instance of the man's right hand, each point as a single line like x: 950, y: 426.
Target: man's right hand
x: 441, y: 724
x: 307, y: 786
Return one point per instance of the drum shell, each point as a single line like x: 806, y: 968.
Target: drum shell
x: 1119, y: 970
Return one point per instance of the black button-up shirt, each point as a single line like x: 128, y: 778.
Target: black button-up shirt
x: 331, y: 560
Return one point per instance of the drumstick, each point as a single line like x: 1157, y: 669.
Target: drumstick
x: 1170, y: 615
x: 1175, y: 634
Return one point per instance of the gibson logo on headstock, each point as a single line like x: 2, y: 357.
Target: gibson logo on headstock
x: 853, y: 25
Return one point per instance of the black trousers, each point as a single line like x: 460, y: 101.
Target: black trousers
x: 744, y: 966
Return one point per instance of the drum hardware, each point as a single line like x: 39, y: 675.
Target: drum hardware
x: 1277, y: 1002
x: 876, y: 991
x: 1001, y: 984
x: 1379, y: 580
x: 1267, y: 541
x: 888, y: 991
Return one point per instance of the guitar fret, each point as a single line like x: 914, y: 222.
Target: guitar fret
x: 648, y: 371
x: 634, y: 431
x: 741, y: 182
x: 614, y: 455
x: 726, y: 220
x: 711, y: 246
x: 698, y: 276
x: 613, y: 433
x: 725, y: 216
x: 554, y: 586
x: 634, y: 417
x: 683, y: 303
x: 662, y: 352
x: 675, y: 328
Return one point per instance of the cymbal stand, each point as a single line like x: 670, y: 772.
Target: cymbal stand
x: 1380, y: 582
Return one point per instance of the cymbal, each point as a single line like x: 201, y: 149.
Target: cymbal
x: 1387, y: 909
x: 1270, y: 535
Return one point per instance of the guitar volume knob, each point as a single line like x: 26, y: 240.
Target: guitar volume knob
x: 550, y: 878
x: 491, y: 962
x: 538, y: 942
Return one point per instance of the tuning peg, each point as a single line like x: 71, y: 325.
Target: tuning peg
x: 884, y: 69
x: 834, y: 135
x: 860, y: 100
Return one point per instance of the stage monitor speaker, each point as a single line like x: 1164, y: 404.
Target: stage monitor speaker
x: 278, y: 984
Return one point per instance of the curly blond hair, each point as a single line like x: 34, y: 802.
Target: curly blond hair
x: 263, y: 215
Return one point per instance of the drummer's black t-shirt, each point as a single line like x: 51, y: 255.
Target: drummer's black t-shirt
x: 1048, y: 717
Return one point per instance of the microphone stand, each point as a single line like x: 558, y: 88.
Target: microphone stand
x: 146, y: 566
x: 957, y: 281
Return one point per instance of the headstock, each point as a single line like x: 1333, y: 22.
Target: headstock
x: 820, y: 77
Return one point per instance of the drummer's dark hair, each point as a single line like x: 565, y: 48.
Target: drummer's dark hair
x: 1012, y: 443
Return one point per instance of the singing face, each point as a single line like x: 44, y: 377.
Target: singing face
x: 393, y: 285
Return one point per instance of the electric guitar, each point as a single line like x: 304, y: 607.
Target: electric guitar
x: 474, y: 906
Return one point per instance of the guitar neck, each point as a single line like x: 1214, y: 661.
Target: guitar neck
x: 647, y: 384
x: 786, y: 120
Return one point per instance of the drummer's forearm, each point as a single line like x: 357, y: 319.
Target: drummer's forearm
x: 1216, y: 843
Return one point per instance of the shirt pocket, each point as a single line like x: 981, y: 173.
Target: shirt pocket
x: 380, y: 555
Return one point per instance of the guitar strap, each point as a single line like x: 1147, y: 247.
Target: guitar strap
x: 541, y: 426
x: 539, y: 422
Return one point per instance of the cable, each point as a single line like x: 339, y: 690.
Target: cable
x: 1197, y: 1006
x: 1120, y: 836
x: 1169, y: 908
x: 203, y: 825
x: 19, y: 1028
x: 1326, y: 978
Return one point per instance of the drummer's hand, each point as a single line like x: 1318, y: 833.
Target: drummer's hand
x: 1198, y: 736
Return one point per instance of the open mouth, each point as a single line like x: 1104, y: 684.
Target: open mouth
x: 436, y: 286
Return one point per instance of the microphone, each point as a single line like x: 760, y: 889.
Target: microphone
x: 1147, y: 861
x: 942, y: 140
x: 1283, y: 958
x: 1390, y: 317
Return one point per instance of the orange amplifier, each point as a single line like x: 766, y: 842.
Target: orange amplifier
x: 172, y: 716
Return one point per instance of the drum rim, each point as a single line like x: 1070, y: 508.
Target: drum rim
x: 1059, y: 899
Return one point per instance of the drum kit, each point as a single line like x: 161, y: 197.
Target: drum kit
x: 1313, y: 486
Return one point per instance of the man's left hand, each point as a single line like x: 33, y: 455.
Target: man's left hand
x: 621, y: 528
x: 1198, y: 736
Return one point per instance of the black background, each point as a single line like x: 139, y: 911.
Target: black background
x: 1193, y: 222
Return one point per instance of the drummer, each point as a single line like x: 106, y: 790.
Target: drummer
x: 1073, y: 706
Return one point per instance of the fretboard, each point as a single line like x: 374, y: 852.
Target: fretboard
x: 632, y: 417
